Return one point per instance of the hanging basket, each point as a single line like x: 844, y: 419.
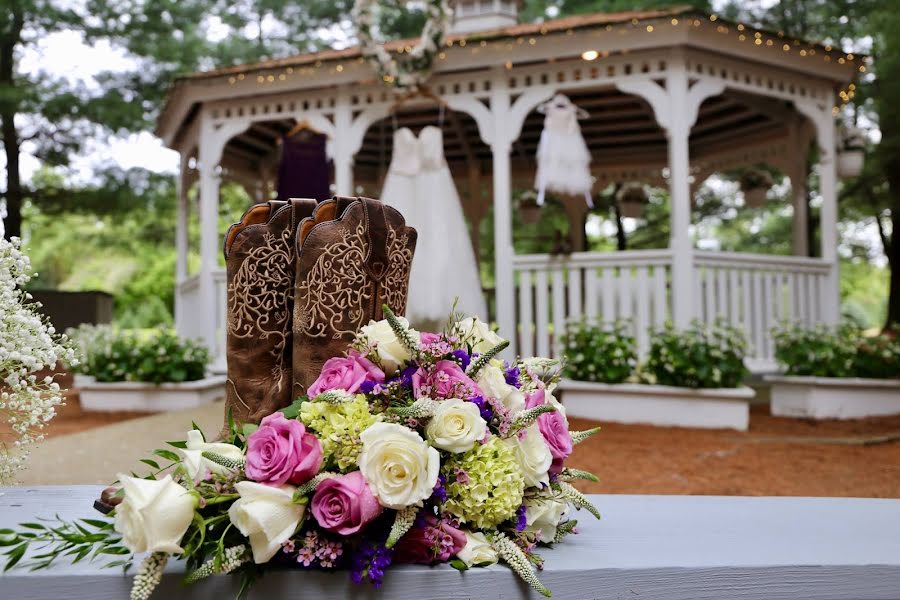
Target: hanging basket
x: 631, y: 200
x: 850, y: 162
x: 755, y: 197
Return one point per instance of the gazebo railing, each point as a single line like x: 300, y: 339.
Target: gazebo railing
x: 754, y: 292
x: 603, y: 286
x: 757, y: 292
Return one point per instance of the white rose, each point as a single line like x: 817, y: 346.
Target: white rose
x: 267, y: 515
x: 545, y: 516
x: 390, y: 350
x: 492, y: 381
x: 456, y: 426
x: 400, y: 468
x: 479, y: 334
x: 196, y: 465
x: 533, y: 456
x: 477, y: 551
x: 154, y: 514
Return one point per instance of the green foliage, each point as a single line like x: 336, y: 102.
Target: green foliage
x: 605, y: 353
x: 702, y: 356
x: 841, y: 351
x: 139, y: 355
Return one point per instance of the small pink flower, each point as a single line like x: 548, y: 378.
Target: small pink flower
x: 445, y: 380
x: 344, y: 504
x: 434, y: 540
x: 281, y: 451
x: 345, y: 373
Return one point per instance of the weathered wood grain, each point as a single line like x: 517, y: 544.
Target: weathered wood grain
x: 645, y: 548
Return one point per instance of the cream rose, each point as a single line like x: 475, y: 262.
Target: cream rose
x: 197, y: 466
x: 545, y: 516
x: 456, y: 426
x: 492, y: 381
x: 154, y: 514
x: 477, y: 551
x: 479, y: 334
x: 533, y: 456
x: 390, y: 350
x: 400, y: 468
x: 267, y: 515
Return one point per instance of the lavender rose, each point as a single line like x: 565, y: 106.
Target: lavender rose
x: 445, y: 380
x: 345, y: 373
x: 554, y: 428
x: 344, y: 504
x: 281, y: 451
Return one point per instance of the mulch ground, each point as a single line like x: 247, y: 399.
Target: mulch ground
x: 776, y: 457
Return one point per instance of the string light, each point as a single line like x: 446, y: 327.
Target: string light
x: 508, y: 45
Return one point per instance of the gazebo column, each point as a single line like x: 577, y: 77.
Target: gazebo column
x: 501, y: 145
x: 820, y: 115
x: 181, y: 234
x: 676, y: 107
x: 343, y: 146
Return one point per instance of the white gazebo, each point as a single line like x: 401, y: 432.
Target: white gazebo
x: 673, y: 96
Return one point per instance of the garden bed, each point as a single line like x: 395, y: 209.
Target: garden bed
x: 833, y: 397
x: 148, y: 397
x: 724, y: 408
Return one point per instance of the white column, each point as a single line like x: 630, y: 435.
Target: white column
x: 504, y: 278
x: 210, y: 150
x: 831, y: 296
x: 181, y: 222
x: 679, y: 128
x: 343, y: 150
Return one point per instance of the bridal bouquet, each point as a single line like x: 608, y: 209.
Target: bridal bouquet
x: 412, y: 448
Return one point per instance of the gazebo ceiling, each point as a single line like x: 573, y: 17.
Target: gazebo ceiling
x: 620, y: 129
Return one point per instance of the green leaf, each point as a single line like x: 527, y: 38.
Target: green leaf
x: 459, y: 565
x: 293, y: 411
x: 33, y: 526
x: 181, y: 445
x: 167, y: 454
x: 151, y: 463
x: 249, y: 429
x: 15, y: 555
x: 98, y: 523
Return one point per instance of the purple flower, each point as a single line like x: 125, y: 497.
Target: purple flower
x: 512, y: 376
x: 462, y: 357
x: 367, y: 386
x: 483, y: 407
x: 370, y: 562
x: 521, y: 518
x: 439, y: 493
x: 282, y: 451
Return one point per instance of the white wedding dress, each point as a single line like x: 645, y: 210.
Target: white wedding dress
x: 420, y: 186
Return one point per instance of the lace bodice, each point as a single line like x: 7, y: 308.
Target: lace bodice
x: 412, y: 154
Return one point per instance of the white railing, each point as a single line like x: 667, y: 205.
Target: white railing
x: 757, y: 292
x: 751, y: 291
x: 603, y: 286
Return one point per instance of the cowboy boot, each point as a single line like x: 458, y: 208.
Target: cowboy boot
x: 260, y: 262
x: 354, y: 256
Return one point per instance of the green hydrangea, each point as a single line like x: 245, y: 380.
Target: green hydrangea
x: 485, y: 484
x: 338, y: 427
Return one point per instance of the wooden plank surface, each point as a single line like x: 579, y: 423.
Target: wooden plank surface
x: 646, y: 547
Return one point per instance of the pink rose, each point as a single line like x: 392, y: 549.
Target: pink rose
x: 426, y: 338
x: 555, y: 430
x: 281, y: 451
x: 429, y: 541
x: 344, y: 504
x: 345, y: 373
x: 445, y: 380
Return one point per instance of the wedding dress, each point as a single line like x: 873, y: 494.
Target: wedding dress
x: 420, y: 186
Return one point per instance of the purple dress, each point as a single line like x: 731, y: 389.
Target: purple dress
x: 303, y: 172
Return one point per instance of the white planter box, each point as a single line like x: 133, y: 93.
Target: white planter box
x: 658, y: 404
x: 834, y: 398
x: 79, y: 380
x: 147, y: 397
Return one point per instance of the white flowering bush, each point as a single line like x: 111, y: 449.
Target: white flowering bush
x: 28, y: 344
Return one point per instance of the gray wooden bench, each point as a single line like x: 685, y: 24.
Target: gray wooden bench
x: 645, y: 548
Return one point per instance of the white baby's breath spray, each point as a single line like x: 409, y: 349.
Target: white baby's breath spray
x: 28, y: 344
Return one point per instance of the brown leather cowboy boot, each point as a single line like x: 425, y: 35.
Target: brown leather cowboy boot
x: 354, y: 255
x: 260, y: 263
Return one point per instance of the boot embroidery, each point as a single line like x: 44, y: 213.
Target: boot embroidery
x: 261, y: 295
x: 396, y: 281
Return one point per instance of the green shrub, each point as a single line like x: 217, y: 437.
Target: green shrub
x: 820, y: 351
x: 842, y: 351
x: 702, y: 356
x: 152, y: 356
x: 601, y: 353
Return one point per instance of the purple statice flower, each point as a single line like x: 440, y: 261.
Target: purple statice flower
x: 367, y: 386
x: 440, y: 493
x: 511, y: 375
x: 370, y: 562
x: 462, y: 357
x: 406, y: 375
x: 483, y: 407
x: 521, y: 519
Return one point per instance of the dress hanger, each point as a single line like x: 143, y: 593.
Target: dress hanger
x: 300, y: 127
x: 419, y: 92
x: 562, y: 101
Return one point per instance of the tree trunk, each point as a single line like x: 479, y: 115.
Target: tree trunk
x: 8, y: 107
x: 892, y: 245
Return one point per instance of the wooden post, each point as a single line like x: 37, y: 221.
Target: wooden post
x: 504, y: 278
